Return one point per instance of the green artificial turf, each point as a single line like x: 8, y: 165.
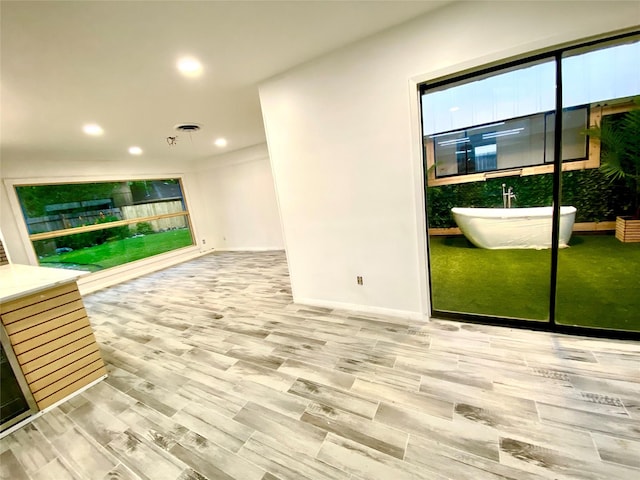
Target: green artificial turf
x: 117, y: 252
x: 598, y: 281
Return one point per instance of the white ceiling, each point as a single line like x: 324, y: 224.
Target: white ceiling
x: 65, y: 64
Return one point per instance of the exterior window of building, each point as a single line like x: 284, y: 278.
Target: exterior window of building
x: 508, y: 144
x: 502, y: 123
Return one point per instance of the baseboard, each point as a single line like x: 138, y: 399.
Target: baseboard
x: 250, y: 249
x: 391, y: 312
x: 113, y: 276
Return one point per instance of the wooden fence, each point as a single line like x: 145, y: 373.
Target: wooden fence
x: 158, y: 208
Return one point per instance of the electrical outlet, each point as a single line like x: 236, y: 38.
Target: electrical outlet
x: 359, y: 280
x: 204, y: 241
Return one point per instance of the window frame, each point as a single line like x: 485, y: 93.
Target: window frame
x: 26, y: 237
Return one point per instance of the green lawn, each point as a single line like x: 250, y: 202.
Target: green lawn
x: 117, y: 252
x: 598, y: 281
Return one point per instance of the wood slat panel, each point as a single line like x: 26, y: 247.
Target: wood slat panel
x: 69, y: 380
x: 42, y: 327
x: 59, y: 352
x: 37, y: 297
x: 66, y: 372
x: 18, y: 315
x: 61, y: 362
x: 39, y: 308
x: 54, y: 345
x: 42, y: 340
x: 68, y: 390
x: 3, y: 255
x: 53, y: 341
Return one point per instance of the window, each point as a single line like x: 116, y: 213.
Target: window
x: 92, y: 226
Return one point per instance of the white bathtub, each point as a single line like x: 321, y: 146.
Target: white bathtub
x: 498, y: 228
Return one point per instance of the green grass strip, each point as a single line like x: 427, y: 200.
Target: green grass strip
x: 118, y: 252
x: 598, y: 281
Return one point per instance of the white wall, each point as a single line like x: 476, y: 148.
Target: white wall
x: 344, y: 140
x: 239, y: 199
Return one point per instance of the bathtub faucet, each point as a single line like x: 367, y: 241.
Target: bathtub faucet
x: 507, y: 195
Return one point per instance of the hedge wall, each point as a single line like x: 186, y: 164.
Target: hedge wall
x: 596, y: 198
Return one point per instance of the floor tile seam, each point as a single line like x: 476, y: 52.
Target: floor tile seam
x: 343, y: 391
x: 165, y: 454
x: 579, y: 460
x: 208, y: 394
x: 134, y: 475
x: 287, y: 467
x: 603, y: 375
x: 326, y: 462
x: 415, y: 392
x: 580, y: 428
x: 411, y: 469
x: 575, y: 404
x: 64, y: 462
x: 576, y: 399
x: 21, y: 464
x: 226, y: 450
x: 193, y: 402
x: 464, y: 452
x: 571, y: 452
x: 367, y: 436
x: 91, y: 440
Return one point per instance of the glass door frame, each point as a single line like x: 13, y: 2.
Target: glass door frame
x: 22, y: 383
x: 557, y: 55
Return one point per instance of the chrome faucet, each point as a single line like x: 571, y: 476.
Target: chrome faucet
x: 507, y: 195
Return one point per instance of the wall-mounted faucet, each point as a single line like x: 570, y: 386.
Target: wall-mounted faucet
x: 507, y: 195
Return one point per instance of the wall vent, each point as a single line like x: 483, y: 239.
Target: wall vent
x: 187, y: 127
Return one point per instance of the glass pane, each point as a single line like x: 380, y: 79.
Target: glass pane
x: 599, y: 274
x: 140, y: 218
x: 498, y: 262
x: 12, y: 401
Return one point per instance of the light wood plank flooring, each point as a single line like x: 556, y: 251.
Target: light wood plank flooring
x: 215, y: 374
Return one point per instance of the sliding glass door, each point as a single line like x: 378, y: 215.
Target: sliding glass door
x: 520, y: 205
x: 598, y: 277
x: 488, y: 224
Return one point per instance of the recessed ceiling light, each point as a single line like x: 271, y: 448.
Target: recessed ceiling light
x: 190, y: 67
x: 92, y: 129
x: 221, y: 142
x: 135, y: 150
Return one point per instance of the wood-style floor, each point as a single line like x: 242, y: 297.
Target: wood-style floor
x: 214, y: 373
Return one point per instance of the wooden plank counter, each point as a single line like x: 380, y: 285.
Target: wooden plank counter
x: 45, y: 320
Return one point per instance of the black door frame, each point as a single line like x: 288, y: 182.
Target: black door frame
x: 551, y: 324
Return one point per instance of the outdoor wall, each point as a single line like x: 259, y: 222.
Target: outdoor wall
x: 238, y: 194
x: 344, y: 139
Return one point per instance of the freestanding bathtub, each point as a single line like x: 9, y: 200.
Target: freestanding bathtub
x: 500, y: 228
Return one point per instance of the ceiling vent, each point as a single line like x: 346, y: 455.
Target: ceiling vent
x: 187, y: 127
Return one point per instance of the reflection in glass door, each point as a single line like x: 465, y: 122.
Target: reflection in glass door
x: 598, y: 276
x: 490, y: 191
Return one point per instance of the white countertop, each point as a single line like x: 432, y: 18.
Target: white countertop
x: 20, y: 280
